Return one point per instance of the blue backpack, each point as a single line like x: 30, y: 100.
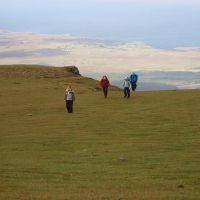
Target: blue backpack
x: 134, y: 78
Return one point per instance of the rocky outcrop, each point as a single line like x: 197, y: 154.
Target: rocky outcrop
x: 73, y: 69
x: 38, y: 72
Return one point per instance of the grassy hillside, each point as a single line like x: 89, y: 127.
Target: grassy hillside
x: 143, y: 148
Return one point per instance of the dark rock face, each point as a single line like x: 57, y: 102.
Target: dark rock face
x: 73, y: 69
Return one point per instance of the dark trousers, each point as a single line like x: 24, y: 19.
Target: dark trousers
x: 126, y: 92
x: 133, y: 86
x: 69, y: 106
x: 105, y: 91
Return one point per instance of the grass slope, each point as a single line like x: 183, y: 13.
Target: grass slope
x: 143, y: 148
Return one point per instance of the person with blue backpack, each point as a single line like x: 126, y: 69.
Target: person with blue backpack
x: 133, y: 80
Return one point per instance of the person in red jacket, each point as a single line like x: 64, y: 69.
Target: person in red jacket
x: 104, y: 82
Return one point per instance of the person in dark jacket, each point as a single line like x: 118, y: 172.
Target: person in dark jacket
x: 69, y: 98
x: 105, y: 84
x: 133, y: 79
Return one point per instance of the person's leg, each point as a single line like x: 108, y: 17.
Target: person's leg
x: 128, y: 92
x: 68, y: 106
x: 106, y: 92
x: 70, y: 103
x: 71, y: 106
x: 133, y: 85
x: 103, y: 91
x: 125, y: 92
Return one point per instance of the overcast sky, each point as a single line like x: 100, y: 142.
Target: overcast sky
x: 160, y: 23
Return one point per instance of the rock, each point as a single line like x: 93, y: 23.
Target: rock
x: 73, y: 69
x: 180, y: 186
x: 123, y: 159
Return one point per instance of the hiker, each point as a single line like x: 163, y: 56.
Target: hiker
x: 105, y: 84
x: 69, y: 99
x: 133, y: 79
x: 127, y: 86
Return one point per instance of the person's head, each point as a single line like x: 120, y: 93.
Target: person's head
x: 68, y: 88
x: 104, y: 77
x: 127, y: 78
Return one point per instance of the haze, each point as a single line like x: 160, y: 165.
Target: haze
x: 161, y: 24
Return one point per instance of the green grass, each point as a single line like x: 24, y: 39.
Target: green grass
x: 143, y: 148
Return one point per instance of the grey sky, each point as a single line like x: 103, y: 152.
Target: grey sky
x: 163, y: 24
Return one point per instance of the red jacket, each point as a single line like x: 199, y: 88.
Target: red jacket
x: 104, y: 83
